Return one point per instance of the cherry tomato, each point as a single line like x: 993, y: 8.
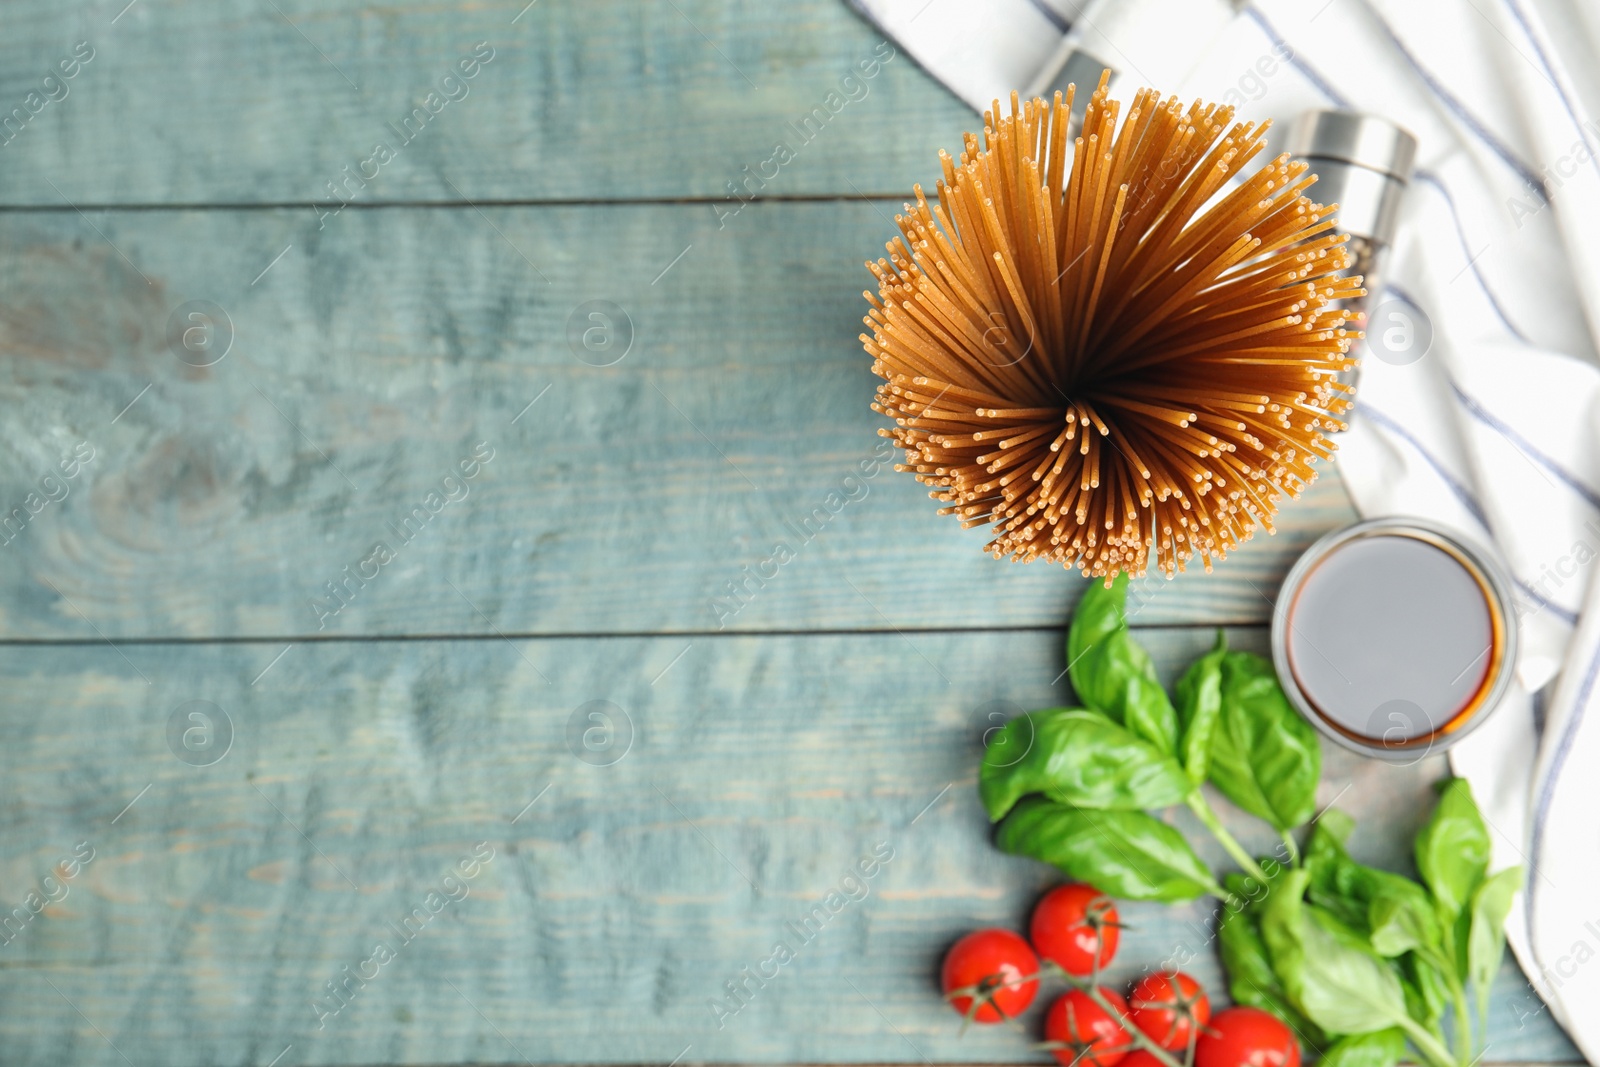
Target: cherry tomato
x: 1246, y: 1037
x: 1088, y: 1036
x: 1168, y: 1008
x: 1072, y: 924
x: 995, y: 967
x: 1140, y: 1058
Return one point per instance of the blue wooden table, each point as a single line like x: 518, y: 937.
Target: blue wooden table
x: 429, y: 400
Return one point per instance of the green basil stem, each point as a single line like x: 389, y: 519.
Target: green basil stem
x: 1294, y: 849
x: 1458, y: 997
x: 1458, y: 994
x: 1432, y: 1049
x: 1198, y: 804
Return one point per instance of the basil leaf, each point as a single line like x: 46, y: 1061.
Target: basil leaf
x: 1281, y: 919
x: 1251, y: 979
x: 1393, y: 911
x: 1428, y: 994
x: 1325, y: 856
x: 1244, y: 955
x: 1338, y: 986
x: 1380, y: 1048
x: 1199, y: 694
x: 1122, y: 853
x: 1077, y: 757
x: 1099, y: 681
x: 1249, y: 888
x: 1148, y: 712
x: 1452, y: 849
x: 1401, y: 917
x: 1264, y: 756
x: 1111, y: 672
x: 1347, y: 990
x: 1336, y: 881
x: 1486, y: 940
x: 1334, y: 826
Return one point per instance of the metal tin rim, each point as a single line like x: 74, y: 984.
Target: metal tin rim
x: 1491, y: 576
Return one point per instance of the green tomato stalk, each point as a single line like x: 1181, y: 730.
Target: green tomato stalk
x: 1090, y: 987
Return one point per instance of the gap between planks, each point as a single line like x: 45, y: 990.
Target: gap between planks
x: 434, y: 205
x: 590, y: 635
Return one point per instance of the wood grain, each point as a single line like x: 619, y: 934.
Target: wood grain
x: 239, y: 102
x: 373, y: 357
x: 615, y: 907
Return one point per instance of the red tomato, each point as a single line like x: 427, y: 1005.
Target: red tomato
x: 1140, y: 1058
x: 1072, y: 924
x: 1246, y: 1037
x: 1087, y: 1035
x: 995, y: 967
x: 1168, y: 1008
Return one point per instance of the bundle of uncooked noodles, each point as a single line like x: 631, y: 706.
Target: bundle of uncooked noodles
x: 1114, y: 354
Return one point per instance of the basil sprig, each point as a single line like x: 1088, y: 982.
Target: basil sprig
x: 1124, y: 754
x: 1360, y: 962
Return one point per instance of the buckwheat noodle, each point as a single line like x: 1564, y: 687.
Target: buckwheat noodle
x: 1079, y: 351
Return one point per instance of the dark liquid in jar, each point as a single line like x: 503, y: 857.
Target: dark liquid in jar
x: 1393, y: 639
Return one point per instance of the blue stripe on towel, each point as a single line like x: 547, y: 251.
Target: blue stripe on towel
x: 1324, y: 86
x: 1429, y: 178
x: 1503, y: 428
x: 1544, y: 61
x: 1459, y: 110
x: 1462, y: 493
x: 1526, y: 447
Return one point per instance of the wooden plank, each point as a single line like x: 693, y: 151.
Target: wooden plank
x: 369, y: 361
x: 234, y: 101
x: 221, y: 899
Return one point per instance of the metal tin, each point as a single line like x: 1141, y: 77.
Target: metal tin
x: 1115, y: 36
x: 1402, y: 746
x: 1362, y: 163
